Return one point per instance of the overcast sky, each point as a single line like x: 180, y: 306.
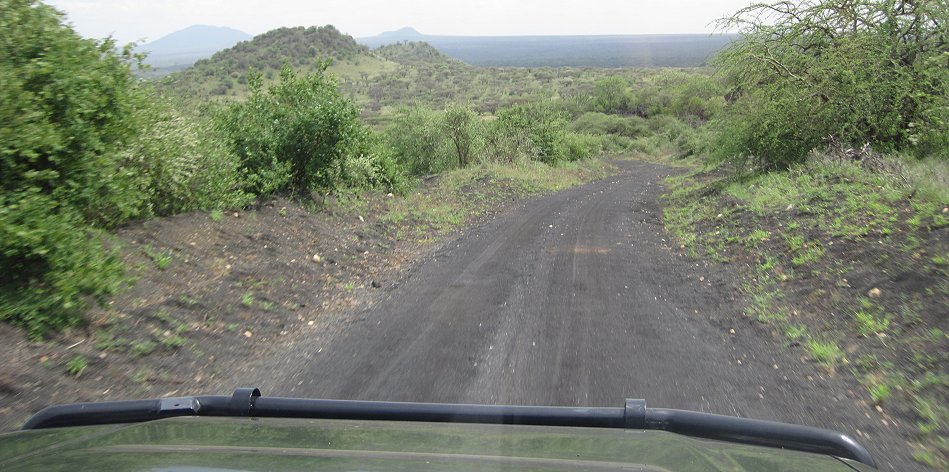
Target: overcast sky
x: 129, y: 20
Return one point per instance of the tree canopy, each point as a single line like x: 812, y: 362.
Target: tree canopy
x: 864, y: 71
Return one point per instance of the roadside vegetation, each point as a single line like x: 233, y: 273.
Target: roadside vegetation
x: 89, y: 148
x: 826, y: 181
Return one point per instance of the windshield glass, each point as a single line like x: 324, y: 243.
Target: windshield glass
x: 717, y: 206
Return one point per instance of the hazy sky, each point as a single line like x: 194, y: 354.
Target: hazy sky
x: 129, y: 20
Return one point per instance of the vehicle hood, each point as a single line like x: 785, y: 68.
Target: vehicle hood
x: 277, y: 444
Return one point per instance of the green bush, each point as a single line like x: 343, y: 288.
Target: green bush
x: 299, y: 135
x: 543, y: 125
x: 505, y: 143
x: 601, y: 123
x: 611, y: 95
x: 864, y: 71
x: 418, y: 141
x: 182, y: 163
x: 462, y: 126
x: 582, y: 146
x: 69, y: 107
x: 52, y: 262
x: 427, y: 141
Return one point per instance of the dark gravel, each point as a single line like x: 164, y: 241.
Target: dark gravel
x: 577, y: 298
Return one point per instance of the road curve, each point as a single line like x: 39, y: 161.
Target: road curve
x: 577, y: 299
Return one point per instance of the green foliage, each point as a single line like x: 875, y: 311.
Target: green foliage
x: 869, y: 324
x: 542, y: 124
x: 76, y: 366
x: 302, y: 134
x: 601, y: 123
x: 418, y: 141
x: 143, y: 348
x: 86, y: 146
x: 504, y: 142
x: 879, y: 392
x: 863, y: 71
x: 463, y: 129
x: 52, y: 262
x: 181, y: 164
x: 162, y: 259
x: 825, y: 353
x: 611, y: 95
x: 69, y: 107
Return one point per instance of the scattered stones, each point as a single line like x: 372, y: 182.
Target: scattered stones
x: 317, y: 258
x: 874, y: 293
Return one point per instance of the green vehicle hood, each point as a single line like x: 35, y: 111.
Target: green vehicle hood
x: 277, y: 444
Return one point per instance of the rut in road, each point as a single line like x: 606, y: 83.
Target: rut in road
x: 573, y: 299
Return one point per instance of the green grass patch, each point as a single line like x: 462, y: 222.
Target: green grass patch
x: 826, y: 353
x: 162, y: 259
x: 836, y: 222
x: 458, y: 196
x: 76, y: 366
x: 870, y: 325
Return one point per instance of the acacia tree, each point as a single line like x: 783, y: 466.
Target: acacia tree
x: 865, y: 71
x: 461, y: 125
x: 610, y: 95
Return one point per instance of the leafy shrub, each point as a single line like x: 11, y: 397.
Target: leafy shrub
x: 505, y: 143
x: 418, y: 141
x: 601, y: 123
x: 611, y: 95
x: 582, y: 146
x: 299, y: 135
x: 69, y: 106
x: 544, y: 126
x: 52, y: 262
x: 182, y: 164
x: 862, y: 71
x: 463, y: 129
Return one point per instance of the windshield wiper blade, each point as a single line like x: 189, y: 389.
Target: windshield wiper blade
x: 247, y: 402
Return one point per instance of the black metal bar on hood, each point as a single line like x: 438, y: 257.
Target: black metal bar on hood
x: 247, y: 402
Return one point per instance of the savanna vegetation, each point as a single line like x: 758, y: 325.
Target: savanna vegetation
x: 88, y: 147
x: 819, y: 141
x: 826, y: 179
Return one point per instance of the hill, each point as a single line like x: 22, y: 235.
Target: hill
x: 225, y: 73
x: 183, y: 48
x: 673, y: 50
x: 413, y: 53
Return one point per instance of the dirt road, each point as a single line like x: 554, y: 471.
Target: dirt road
x: 579, y: 298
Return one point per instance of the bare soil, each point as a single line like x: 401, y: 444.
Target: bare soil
x: 238, y: 288
x: 576, y: 298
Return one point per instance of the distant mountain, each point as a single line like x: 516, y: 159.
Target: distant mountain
x: 392, y: 37
x: 185, y: 47
x: 672, y: 50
